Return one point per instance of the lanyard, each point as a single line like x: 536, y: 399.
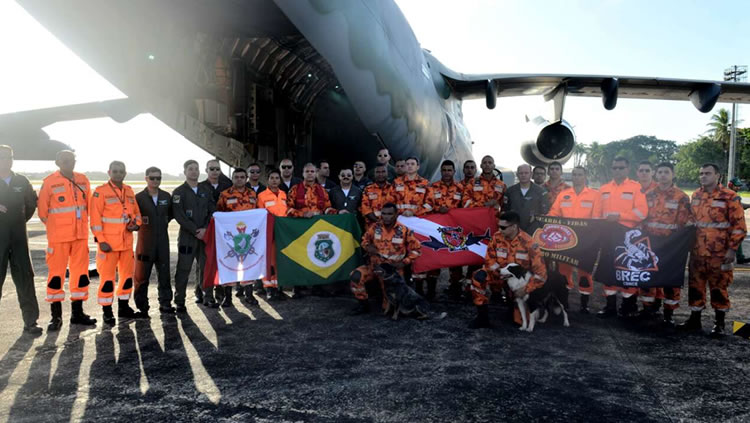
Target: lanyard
x: 122, y: 199
x: 75, y: 194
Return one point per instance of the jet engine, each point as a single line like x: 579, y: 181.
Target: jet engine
x: 554, y: 142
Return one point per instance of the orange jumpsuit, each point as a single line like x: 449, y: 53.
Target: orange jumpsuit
x: 627, y: 200
x: 721, y: 226
x: 501, y: 252
x: 667, y: 211
x: 480, y: 190
x: 111, y: 210
x: 275, y: 203
x: 63, y: 207
x: 233, y: 200
x: 396, y: 244
x: 374, y: 198
x: 412, y: 195
x: 553, y: 192
x: 652, y: 186
x: 586, y: 205
x: 313, y: 199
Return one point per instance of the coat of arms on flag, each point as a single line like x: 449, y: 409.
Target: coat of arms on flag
x: 567, y: 240
x: 319, y: 250
x: 456, y: 238
x: 236, y: 246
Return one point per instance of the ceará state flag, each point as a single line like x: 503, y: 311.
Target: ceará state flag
x: 456, y: 238
x: 236, y: 246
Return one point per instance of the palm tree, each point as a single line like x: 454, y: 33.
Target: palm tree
x: 579, y: 151
x: 719, y: 128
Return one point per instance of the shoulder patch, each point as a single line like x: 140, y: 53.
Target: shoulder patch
x: 176, y: 198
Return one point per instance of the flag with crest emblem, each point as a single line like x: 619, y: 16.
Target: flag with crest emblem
x: 318, y: 250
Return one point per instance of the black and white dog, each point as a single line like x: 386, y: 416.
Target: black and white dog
x: 401, y: 298
x: 552, y: 296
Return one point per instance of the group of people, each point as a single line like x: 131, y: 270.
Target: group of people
x: 112, y: 212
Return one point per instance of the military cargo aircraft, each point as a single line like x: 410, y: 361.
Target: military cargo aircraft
x: 260, y: 80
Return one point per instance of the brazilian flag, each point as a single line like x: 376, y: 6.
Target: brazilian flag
x: 316, y: 251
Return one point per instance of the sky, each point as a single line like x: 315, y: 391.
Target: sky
x: 675, y: 39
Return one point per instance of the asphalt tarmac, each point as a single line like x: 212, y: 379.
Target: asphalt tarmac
x: 308, y: 360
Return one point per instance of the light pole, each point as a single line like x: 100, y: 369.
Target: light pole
x: 734, y: 74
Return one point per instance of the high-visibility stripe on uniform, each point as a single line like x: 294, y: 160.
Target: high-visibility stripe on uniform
x: 671, y: 302
x: 114, y: 220
x: 638, y: 213
x: 647, y: 299
x: 658, y: 225
x: 720, y: 225
x: 105, y: 301
x: 123, y: 297
x: 56, y: 296
x: 393, y: 257
x: 59, y: 210
x: 77, y: 294
x: 96, y: 228
x: 609, y: 292
x: 407, y: 206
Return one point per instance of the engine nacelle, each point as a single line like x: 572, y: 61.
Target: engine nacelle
x: 555, y: 142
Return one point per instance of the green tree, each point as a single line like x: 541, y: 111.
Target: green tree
x: 692, y: 155
x: 719, y: 128
x: 635, y: 149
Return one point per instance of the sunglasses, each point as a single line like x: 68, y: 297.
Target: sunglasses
x: 214, y: 169
x: 644, y: 170
x: 254, y: 171
x: 504, y: 227
x: 154, y: 178
x: 286, y: 166
x: 382, y: 155
x: 618, y: 167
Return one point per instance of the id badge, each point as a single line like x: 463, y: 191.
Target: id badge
x: 125, y: 218
x: 78, y: 213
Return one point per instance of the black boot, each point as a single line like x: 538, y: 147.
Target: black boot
x: 584, y: 304
x: 419, y: 286
x: 454, y: 290
x: 56, y: 322
x: 629, y: 307
x: 297, y: 293
x: 363, y: 307
x: 124, y: 311
x: 718, y: 329
x: 241, y: 290
x: 431, y: 287
x: 273, y: 294
x: 693, y: 324
x: 609, y: 310
x: 250, y: 298
x: 227, y: 300
x: 483, y: 318
x: 108, y: 316
x: 668, y: 320
x: 78, y: 317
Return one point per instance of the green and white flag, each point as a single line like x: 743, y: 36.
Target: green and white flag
x: 318, y: 250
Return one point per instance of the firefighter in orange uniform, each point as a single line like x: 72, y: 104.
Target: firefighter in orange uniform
x: 114, y: 218
x: 485, y: 190
x: 721, y: 228
x: 387, y: 241
x: 444, y: 195
x: 309, y: 198
x: 508, y: 245
x: 645, y: 174
x: 668, y: 211
x: 555, y: 183
x: 63, y: 208
x: 411, y: 195
x: 238, y: 197
x: 273, y: 199
x: 578, y: 202
x: 624, y: 203
x: 375, y: 196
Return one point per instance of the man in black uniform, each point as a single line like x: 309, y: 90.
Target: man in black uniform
x: 17, y: 205
x: 347, y: 197
x: 192, y: 206
x: 253, y: 181
x: 153, y: 243
x: 526, y: 198
x: 215, y: 182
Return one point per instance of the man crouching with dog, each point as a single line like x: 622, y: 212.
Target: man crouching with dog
x: 508, y: 245
x: 386, y: 242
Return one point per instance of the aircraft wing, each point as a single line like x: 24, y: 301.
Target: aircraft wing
x: 703, y: 94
